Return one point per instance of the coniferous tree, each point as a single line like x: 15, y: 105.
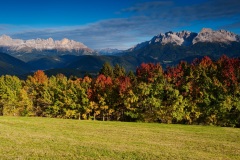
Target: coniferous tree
x: 107, y: 70
x: 118, y: 71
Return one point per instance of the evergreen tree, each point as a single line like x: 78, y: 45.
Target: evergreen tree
x: 107, y: 70
x: 118, y: 71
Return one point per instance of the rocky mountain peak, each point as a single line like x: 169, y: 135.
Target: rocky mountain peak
x: 208, y: 35
x: 5, y: 37
x: 206, y: 30
x: 178, y: 38
x: 64, y: 41
x: 183, y: 38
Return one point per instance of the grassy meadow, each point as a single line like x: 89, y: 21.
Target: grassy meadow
x: 48, y: 138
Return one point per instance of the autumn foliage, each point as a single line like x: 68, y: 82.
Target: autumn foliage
x: 203, y: 92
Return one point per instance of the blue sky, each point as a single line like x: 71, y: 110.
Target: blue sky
x: 114, y: 23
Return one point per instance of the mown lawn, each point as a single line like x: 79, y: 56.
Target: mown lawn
x: 47, y: 138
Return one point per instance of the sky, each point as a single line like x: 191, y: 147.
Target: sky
x: 117, y: 24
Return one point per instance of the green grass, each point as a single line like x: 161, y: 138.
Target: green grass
x: 46, y: 138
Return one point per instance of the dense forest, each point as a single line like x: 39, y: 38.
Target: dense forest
x: 201, y: 92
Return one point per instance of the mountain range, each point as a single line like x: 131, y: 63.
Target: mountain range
x: 28, y: 50
x: 168, y: 49
x: 187, y: 38
x: 109, y: 51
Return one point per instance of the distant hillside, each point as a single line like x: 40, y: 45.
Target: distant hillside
x: 95, y: 63
x: 88, y: 63
x: 12, y: 66
x: 52, y: 62
x: 70, y: 72
x: 170, y: 54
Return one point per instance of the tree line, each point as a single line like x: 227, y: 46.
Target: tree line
x: 201, y: 92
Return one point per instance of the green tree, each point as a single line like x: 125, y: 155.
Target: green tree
x: 38, y: 90
x: 10, y: 88
x: 118, y: 71
x: 107, y: 70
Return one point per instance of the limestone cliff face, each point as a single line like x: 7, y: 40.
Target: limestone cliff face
x: 27, y: 50
x: 208, y: 35
x: 40, y: 44
x: 178, y: 38
x: 187, y: 38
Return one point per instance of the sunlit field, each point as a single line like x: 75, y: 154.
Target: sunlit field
x: 46, y: 138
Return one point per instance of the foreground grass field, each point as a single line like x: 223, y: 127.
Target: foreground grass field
x: 45, y: 138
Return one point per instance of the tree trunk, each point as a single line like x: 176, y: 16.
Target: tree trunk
x: 1, y: 111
